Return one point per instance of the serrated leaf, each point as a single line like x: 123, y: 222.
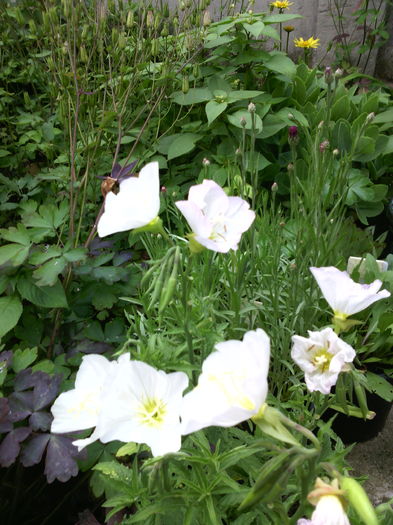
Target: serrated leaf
x: 127, y: 450
x: 60, y: 463
x: 75, y: 255
x: 115, y: 471
x: 380, y: 386
x: 19, y: 235
x: 43, y: 254
x: 23, y: 358
x: 48, y: 273
x: 10, y: 311
x: 14, y: 253
x: 45, y: 296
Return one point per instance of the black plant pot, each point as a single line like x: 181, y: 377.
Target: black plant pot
x: 353, y: 429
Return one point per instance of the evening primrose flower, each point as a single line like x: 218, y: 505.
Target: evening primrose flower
x: 329, y: 508
x: 143, y: 406
x: 345, y: 296
x: 232, y: 386
x: 283, y: 4
x: 217, y: 220
x: 307, y: 44
x: 136, y: 204
x: 78, y: 409
x: 321, y: 356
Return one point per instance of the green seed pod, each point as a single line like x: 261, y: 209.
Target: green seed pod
x: 53, y: 15
x: 85, y: 32
x: 157, y: 20
x: 195, y: 71
x: 154, y: 47
x: 185, y: 86
x: 83, y: 54
x: 122, y: 41
x: 130, y: 19
x: 165, y: 11
x: 169, y: 288
x: 165, y: 30
x: 358, y: 499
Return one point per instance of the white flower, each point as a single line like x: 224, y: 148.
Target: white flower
x: 143, y: 406
x: 136, y: 205
x: 233, y: 384
x: 329, y: 511
x: 78, y: 409
x: 322, y: 357
x: 217, y: 220
x: 345, y: 296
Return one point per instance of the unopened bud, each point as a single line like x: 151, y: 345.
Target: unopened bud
x: 149, y: 19
x: 274, y: 187
x: 328, y: 75
x: 243, y: 122
x: 370, y: 117
x: 207, y: 20
x: 205, y: 162
x: 293, y: 136
x: 290, y: 116
x: 320, y: 125
x: 290, y: 167
x: 336, y: 152
x: 185, y: 86
x: 288, y: 29
x: 338, y: 73
x: 130, y: 19
x: 163, y: 189
x: 324, y: 146
x: 238, y: 152
x: 251, y: 107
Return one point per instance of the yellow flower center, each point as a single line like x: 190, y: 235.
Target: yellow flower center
x: 321, y: 359
x: 152, y: 412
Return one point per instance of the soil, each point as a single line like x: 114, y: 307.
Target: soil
x: 374, y: 459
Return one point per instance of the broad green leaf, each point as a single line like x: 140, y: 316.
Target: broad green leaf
x: 341, y: 136
x: 4, y: 153
x: 193, y: 96
x: 271, y: 125
x: 235, y: 120
x: 214, y: 109
x: 380, y: 386
x: 341, y: 108
x: 43, y: 254
x: 282, y: 64
x: 19, y: 234
x: 213, y: 40
x: 15, y: 253
x: 10, y: 311
x: 127, y: 450
x: 23, y: 358
x: 385, y: 116
x: 48, y: 273
x: 276, y: 19
x: 182, y: 144
x: 75, y: 255
x: 255, y: 29
x: 242, y: 94
x: 45, y: 296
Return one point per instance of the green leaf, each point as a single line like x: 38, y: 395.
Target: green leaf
x: 193, y: 96
x: 281, y: 63
x: 380, y: 386
x: 48, y: 273
x: 23, y: 358
x: 255, y: 29
x: 127, y: 450
x: 18, y: 234
x: 75, y: 255
x: 43, y: 254
x: 182, y: 144
x: 115, y: 471
x: 242, y: 94
x: 214, y: 109
x: 341, y: 136
x: 272, y: 124
x: 341, y: 108
x: 276, y: 19
x: 235, y: 120
x: 10, y: 311
x: 15, y: 253
x: 45, y: 296
x: 385, y: 116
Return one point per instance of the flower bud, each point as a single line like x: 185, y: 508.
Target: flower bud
x: 288, y: 29
x: 274, y: 187
x: 336, y: 152
x: 251, y: 107
x: 293, y: 136
x: 324, y: 146
x: 185, y: 86
x: 338, y: 73
x: 205, y: 162
x: 370, y: 117
x: 207, y: 20
x: 328, y: 75
x: 243, y: 122
x: 130, y: 19
x: 290, y: 167
x: 149, y: 19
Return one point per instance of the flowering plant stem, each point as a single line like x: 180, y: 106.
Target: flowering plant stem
x: 186, y: 288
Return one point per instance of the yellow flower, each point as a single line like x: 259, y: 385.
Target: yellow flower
x: 310, y: 43
x: 281, y: 4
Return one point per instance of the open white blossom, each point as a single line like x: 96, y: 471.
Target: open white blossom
x: 329, y: 509
x: 232, y: 386
x: 135, y: 205
x: 216, y: 220
x: 143, y: 406
x: 322, y: 357
x: 345, y: 296
x: 78, y: 409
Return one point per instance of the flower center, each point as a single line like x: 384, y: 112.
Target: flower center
x: 152, y: 412
x: 321, y: 359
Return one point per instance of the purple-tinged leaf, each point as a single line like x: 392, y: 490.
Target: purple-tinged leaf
x: 89, y: 347
x: 5, y: 422
x: 10, y: 446
x: 34, y: 449
x: 60, y: 463
x: 122, y: 257
x: 41, y: 420
x: 45, y: 390
x: 21, y: 405
x: 6, y: 357
x: 97, y: 245
x: 24, y: 380
x: 117, y: 518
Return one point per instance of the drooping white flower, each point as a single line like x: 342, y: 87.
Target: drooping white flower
x: 135, y: 205
x: 216, y: 220
x: 232, y: 386
x: 78, y: 409
x: 322, y: 357
x: 143, y: 406
x: 329, y: 509
x: 345, y: 296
